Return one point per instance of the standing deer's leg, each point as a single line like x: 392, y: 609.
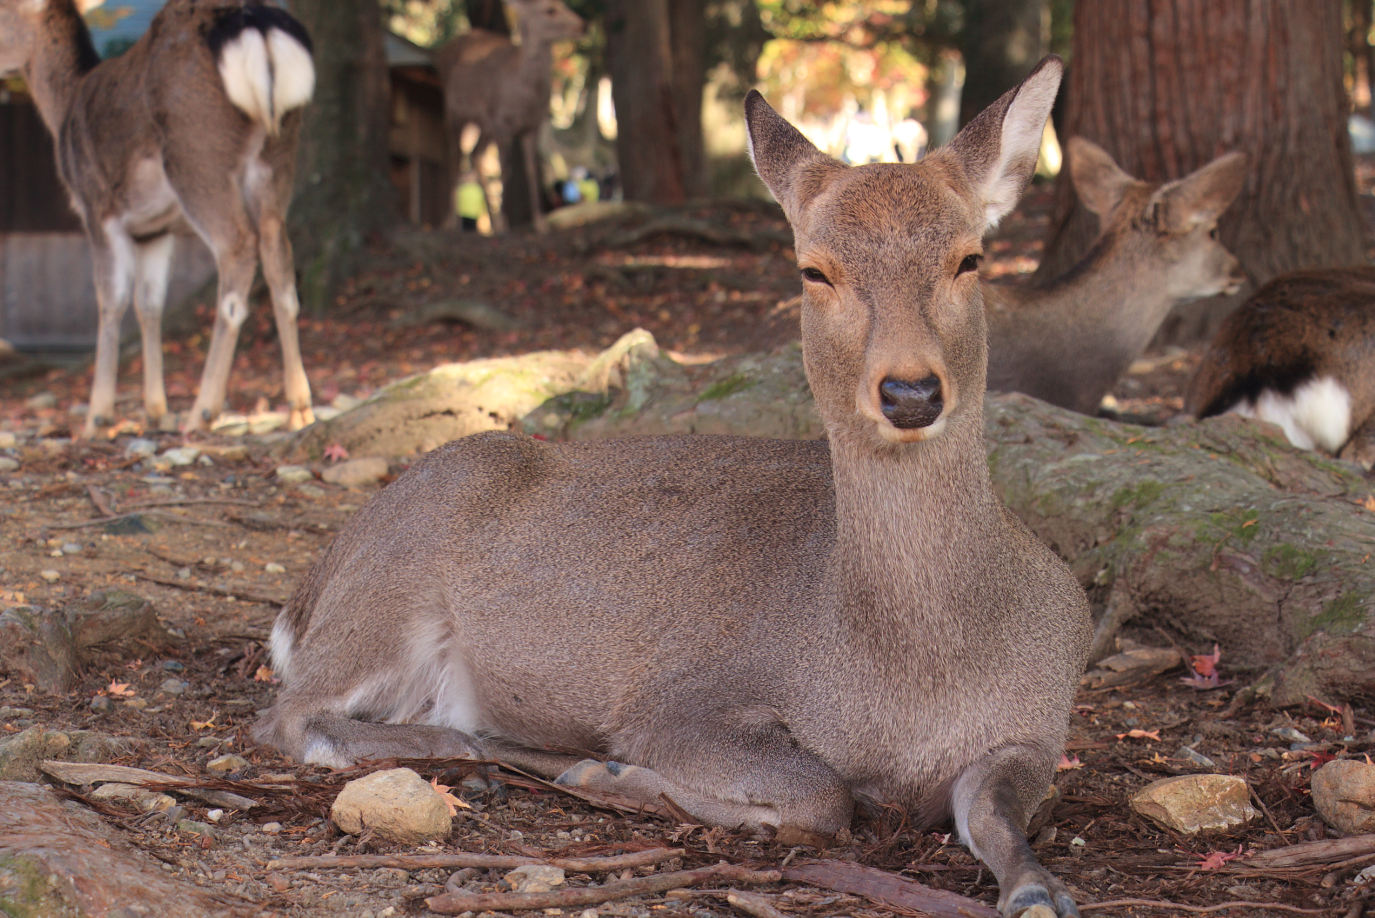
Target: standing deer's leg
x: 153, y: 268
x: 497, y: 215
x: 237, y: 263
x: 993, y: 801
x: 734, y: 776
x: 529, y: 148
x: 275, y: 249
x: 112, y: 252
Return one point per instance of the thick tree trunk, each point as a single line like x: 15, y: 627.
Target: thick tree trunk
x: 341, y: 178
x: 1001, y: 41
x: 1218, y: 531
x: 641, y: 61
x: 1165, y: 86
x: 688, y: 30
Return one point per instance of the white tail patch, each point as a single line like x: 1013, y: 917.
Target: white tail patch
x: 1316, y: 415
x: 266, y: 77
x: 283, y: 647
x: 293, y: 73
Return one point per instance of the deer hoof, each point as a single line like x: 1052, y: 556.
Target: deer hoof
x: 300, y: 417
x: 1035, y: 902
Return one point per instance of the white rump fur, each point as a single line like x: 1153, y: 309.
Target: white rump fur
x: 1316, y: 415
x: 1023, y: 126
x: 266, y: 77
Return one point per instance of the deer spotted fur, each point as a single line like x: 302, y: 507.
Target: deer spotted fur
x: 1300, y: 353
x: 198, y: 121
x: 1069, y: 342
x: 765, y: 631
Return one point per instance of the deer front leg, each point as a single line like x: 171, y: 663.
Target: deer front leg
x: 236, y: 266
x: 154, y: 259
x: 275, y: 249
x: 733, y: 778
x: 992, y: 802
x: 112, y: 252
x: 529, y: 149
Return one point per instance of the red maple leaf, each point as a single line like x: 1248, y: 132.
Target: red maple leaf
x: 1218, y: 858
x: 335, y: 452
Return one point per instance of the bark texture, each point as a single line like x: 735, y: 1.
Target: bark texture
x: 1002, y: 40
x: 1218, y: 531
x: 342, y: 190
x: 1166, y: 86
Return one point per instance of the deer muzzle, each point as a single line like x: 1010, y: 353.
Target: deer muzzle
x: 911, y: 405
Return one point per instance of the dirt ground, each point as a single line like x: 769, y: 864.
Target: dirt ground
x: 217, y: 546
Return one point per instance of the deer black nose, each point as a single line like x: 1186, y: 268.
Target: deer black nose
x: 909, y: 405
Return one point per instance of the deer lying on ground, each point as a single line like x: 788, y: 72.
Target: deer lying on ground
x: 1298, y: 353
x: 197, y: 121
x: 503, y: 88
x: 1069, y: 342
x: 764, y: 631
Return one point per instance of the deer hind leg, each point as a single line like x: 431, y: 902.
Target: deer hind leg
x: 529, y: 149
x: 154, y: 267
x: 112, y: 252
x: 992, y: 802
x: 755, y: 778
x: 278, y: 268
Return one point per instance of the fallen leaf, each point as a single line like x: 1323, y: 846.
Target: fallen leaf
x: 336, y: 452
x: 1205, y: 664
x: 264, y: 674
x: 452, y: 802
x: 1068, y: 764
x: 1217, y: 859
x: 204, y: 724
x: 1140, y: 734
x: 120, y: 688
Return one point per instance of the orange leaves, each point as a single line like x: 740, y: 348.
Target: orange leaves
x: 452, y: 802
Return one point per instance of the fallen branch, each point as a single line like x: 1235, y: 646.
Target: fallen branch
x: 196, y: 500
x: 888, y: 889
x: 1249, y: 905
x: 454, y: 904
x: 753, y: 904
x: 245, y: 595
x: 1306, y: 854
x: 479, y: 861
x: 80, y: 773
x: 158, y: 514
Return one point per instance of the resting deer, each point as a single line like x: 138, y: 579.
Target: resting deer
x: 765, y: 631
x: 503, y: 88
x: 1069, y: 342
x: 1299, y: 353
x: 197, y: 121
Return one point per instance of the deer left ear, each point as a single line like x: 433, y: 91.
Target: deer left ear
x: 792, y: 168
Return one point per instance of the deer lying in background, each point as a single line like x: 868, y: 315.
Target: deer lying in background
x: 197, y: 121
x: 1299, y: 353
x: 503, y: 88
x: 1069, y: 342
x: 765, y: 631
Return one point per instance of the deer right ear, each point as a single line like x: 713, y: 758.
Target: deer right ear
x: 1098, y: 180
x: 792, y: 168
x: 999, y: 147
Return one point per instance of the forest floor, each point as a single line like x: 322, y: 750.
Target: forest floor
x: 218, y: 545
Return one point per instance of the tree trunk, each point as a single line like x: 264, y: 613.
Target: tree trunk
x: 688, y: 29
x: 1166, y: 86
x: 342, y: 190
x: 641, y: 61
x: 1001, y: 41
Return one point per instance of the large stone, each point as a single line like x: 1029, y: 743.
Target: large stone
x: 396, y: 804
x: 1190, y: 804
x: 1344, y: 794
x: 534, y: 878
x: 21, y: 754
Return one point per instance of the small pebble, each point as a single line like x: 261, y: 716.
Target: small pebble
x: 274, y: 568
x: 173, y: 686
x: 226, y: 764
x: 1289, y: 733
x: 8, y: 439
x: 101, y: 704
x: 294, y: 474
x: 71, y: 548
x: 182, y: 455
x: 214, y: 815
x: 8, y: 465
x: 138, y: 704
x: 50, y: 575
x: 272, y: 828
x: 173, y: 666
x: 140, y: 447
x: 41, y: 401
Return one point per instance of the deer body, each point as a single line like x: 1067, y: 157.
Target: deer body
x: 1069, y: 342
x: 1298, y: 353
x: 503, y: 88
x: 765, y: 631
x: 198, y: 121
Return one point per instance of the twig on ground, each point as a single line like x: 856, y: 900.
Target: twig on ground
x: 196, y: 500
x: 207, y: 588
x: 1305, y: 854
x: 1221, y: 906
x: 753, y: 904
x: 159, y: 514
x: 99, y: 500
x: 1264, y: 809
x: 451, y: 904
x: 479, y: 861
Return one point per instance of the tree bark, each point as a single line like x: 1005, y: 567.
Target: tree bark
x: 1166, y: 86
x: 1001, y: 41
x: 342, y: 190
x: 688, y: 29
x: 649, y: 140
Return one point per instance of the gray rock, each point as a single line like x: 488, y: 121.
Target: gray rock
x: 534, y: 878
x: 355, y: 473
x: 8, y: 465
x: 21, y: 753
x: 181, y: 455
x: 1192, y: 755
x: 1344, y: 794
x: 396, y: 804
x: 173, y: 686
x: 294, y: 474
x: 226, y: 764
x: 1190, y: 804
x: 147, y: 800
x: 8, y: 439
x: 141, y: 447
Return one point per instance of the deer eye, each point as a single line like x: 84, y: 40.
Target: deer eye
x: 1212, y: 233
x: 970, y: 263
x: 814, y: 276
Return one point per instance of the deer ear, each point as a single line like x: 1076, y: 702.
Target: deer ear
x: 792, y: 168
x: 1098, y: 180
x: 999, y: 147
x: 1201, y: 196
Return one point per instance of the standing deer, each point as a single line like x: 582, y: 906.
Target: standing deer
x: 503, y: 89
x: 1069, y: 341
x: 1299, y: 353
x: 766, y: 631
x: 198, y: 121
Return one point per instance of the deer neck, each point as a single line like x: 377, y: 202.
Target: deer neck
x: 536, y: 59
x: 907, y: 520
x: 63, y: 55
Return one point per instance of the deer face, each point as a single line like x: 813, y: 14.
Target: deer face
x: 18, y: 32
x: 548, y: 20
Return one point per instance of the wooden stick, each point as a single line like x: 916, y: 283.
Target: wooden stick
x: 1305, y: 854
x: 753, y: 904
x: 1249, y: 904
x: 480, y: 861
x: 195, y: 500
x: 81, y: 773
x: 452, y: 904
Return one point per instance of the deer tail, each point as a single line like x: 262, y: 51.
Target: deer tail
x: 264, y: 59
